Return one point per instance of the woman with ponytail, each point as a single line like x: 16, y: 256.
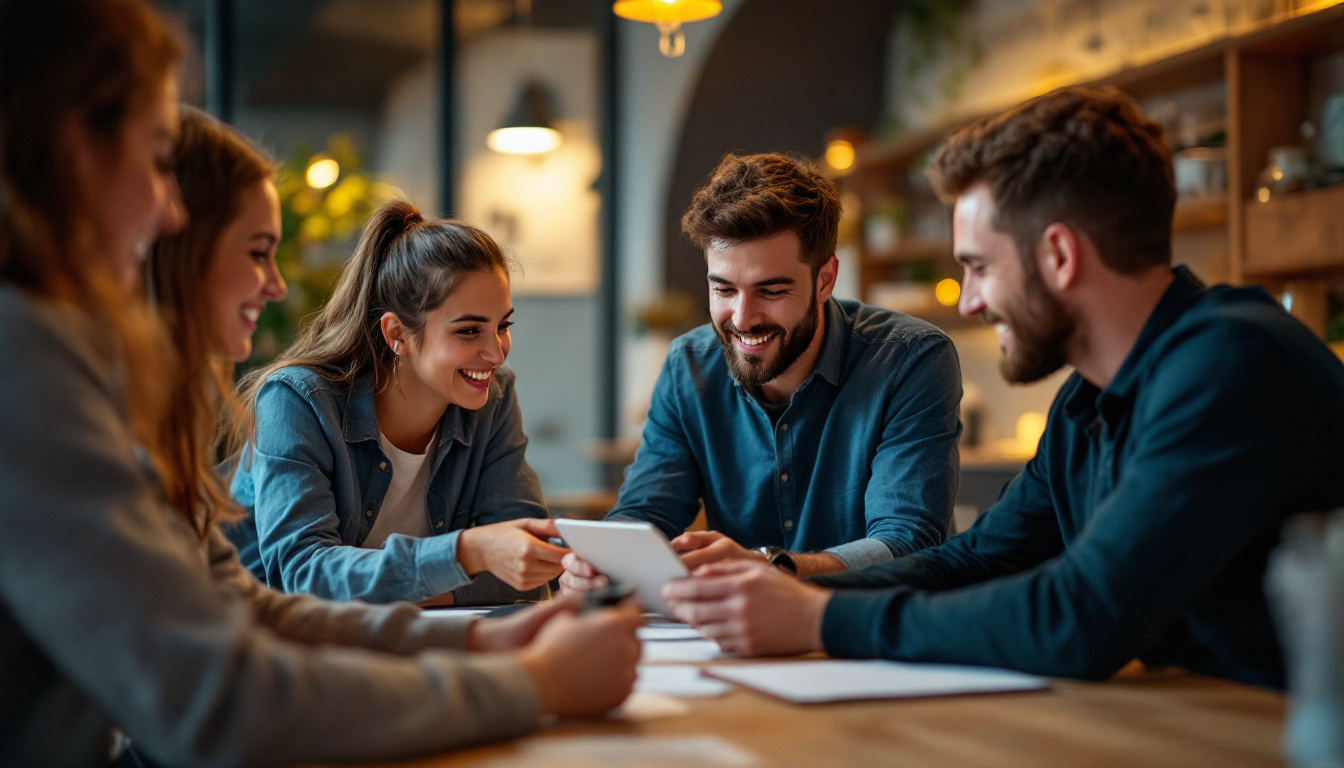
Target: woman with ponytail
x: 386, y: 462
x: 124, y: 613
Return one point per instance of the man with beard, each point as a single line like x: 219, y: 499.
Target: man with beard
x: 1196, y: 422
x: 820, y: 434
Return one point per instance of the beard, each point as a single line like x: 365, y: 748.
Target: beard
x: 754, y: 370
x: 1041, y: 328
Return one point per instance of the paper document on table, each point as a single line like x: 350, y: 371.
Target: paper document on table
x: 666, y: 632
x: 810, y: 682
x: 680, y: 650
x: 677, y: 680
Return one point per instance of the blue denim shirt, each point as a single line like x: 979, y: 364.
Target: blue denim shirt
x: 863, y: 463
x: 314, y: 478
x: 1143, y: 525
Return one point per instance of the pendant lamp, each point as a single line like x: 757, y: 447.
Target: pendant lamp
x: 530, y: 128
x: 668, y: 15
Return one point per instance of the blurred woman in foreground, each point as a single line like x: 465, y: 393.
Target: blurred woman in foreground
x: 123, y: 612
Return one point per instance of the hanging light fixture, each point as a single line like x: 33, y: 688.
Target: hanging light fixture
x: 530, y: 129
x: 668, y: 15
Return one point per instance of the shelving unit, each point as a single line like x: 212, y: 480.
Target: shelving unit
x: 1274, y: 79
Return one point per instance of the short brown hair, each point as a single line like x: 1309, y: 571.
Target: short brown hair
x: 1083, y: 155
x: 751, y: 197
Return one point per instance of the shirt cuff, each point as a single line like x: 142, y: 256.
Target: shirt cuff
x: 439, y: 629
x: 857, y: 624
x: 437, y: 565
x: 861, y: 553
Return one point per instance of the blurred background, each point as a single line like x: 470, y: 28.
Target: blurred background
x: 367, y: 99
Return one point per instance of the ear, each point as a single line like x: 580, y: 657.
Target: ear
x: 826, y: 278
x: 1059, y: 254
x: 394, y: 333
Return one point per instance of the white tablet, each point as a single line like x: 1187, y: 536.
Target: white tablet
x: 632, y: 553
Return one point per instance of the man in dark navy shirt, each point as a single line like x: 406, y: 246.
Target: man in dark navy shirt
x: 1196, y: 422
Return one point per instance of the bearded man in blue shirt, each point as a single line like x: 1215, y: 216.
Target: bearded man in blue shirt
x: 820, y: 434
x: 1196, y: 422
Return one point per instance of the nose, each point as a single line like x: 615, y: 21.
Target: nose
x: 275, y: 288
x: 971, y: 304
x: 746, y: 314
x: 495, y: 352
x: 173, y: 216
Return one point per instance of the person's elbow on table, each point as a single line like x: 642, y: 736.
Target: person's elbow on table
x: 750, y: 609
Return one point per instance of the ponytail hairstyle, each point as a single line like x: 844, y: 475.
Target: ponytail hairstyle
x: 215, y: 167
x: 89, y: 62
x: 404, y: 264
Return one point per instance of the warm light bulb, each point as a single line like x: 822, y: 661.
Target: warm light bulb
x: 1030, y: 427
x: 322, y: 172
x: 947, y: 292
x: 840, y: 154
x: 523, y: 140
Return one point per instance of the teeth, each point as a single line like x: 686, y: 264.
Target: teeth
x: 755, y: 341
x: 251, y: 313
x: 476, y: 375
x: 1002, y: 328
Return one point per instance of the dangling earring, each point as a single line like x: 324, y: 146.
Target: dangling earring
x: 396, y: 364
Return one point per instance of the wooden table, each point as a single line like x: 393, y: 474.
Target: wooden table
x: 1134, y: 719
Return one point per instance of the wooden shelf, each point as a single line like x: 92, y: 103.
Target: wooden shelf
x: 1200, y: 212
x: 1296, y: 233
x: 911, y: 249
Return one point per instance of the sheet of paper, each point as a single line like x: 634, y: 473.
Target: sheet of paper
x: 678, y: 680
x: 666, y: 632
x: 680, y: 650
x: 808, y: 682
x: 613, y: 751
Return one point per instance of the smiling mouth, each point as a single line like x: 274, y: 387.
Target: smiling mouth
x: 478, y: 379
x: 755, y: 341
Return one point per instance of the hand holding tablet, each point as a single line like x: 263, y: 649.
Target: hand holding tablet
x: 630, y: 553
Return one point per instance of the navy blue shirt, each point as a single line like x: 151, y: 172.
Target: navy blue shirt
x: 862, y: 463
x: 1143, y: 525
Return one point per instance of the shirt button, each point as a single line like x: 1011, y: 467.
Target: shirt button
x: 788, y: 525
x: 382, y: 465
x: 784, y: 427
x: 784, y: 478
x: 368, y: 512
x: 438, y: 523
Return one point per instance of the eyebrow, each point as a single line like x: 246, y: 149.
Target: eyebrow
x: 759, y: 283
x: 964, y: 257
x: 267, y: 236
x: 478, y: 318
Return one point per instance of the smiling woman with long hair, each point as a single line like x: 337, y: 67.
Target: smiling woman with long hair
x: 124, y: 613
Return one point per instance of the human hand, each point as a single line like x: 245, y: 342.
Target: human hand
x: 580, y: 575
x: 584, y: 665
x: 515, y: 551
x: 750, y: 609
x: 699, y: 548
x: 517, y: 630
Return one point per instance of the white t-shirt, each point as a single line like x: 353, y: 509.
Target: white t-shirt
x: 403, y: 509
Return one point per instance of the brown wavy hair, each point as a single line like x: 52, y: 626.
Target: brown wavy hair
x: 89, y: 62
x: 215, y: 167
x: 751, y: 197
x: 405, y: 264
x: 1082, y: 155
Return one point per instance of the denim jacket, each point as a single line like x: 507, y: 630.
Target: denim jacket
x: 313, y: 479
x: 863, y: 463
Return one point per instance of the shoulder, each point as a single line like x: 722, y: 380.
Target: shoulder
x: 1243, y: 329
x: 697, y: 353
x: 41, y: 339
x: 298, y: 389
x: 868, y: 325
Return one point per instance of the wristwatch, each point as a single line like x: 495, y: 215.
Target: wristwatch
x: 780, y: 559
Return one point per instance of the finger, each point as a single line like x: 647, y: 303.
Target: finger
x: 569, y: 581
x: 577, y: 567
x: 694, y: 540
x: 727, y: 567
x: 714, y: 588
x: 698, y: 614
x: 541, y: 528
x: 700, y: 557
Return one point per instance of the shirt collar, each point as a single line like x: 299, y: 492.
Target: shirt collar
x: 1183, y: 293
x: 832, y: 354
x: 361, y: 416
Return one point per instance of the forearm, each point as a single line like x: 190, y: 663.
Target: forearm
x: 817, y: 563
x: 405, y: 568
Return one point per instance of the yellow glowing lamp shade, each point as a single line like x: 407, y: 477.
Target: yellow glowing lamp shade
x: 322, y: 172
x: 840, y: 155
x: 668, y: 16
x: 947, y: 292
x: 523, y: 140
x: 1030, y: 427
x: 529, y: 129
